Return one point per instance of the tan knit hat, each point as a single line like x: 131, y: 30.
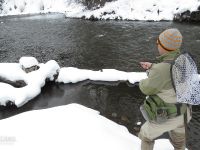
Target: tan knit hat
x: 170, y: 39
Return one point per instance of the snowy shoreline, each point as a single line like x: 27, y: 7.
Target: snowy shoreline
x: 73, y: 127
x: 154, y: 10
x: 35, y: 79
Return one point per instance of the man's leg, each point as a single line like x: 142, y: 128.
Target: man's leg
x: 150, y: 131
x: 177, y: 138
x: 146, y: 144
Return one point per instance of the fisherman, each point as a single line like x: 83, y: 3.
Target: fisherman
x: 160, y: 108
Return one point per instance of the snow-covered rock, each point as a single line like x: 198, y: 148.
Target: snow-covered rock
x: 35, y: 80
x: 29, y: 64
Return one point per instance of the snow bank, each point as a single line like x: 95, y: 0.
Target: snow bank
x: 121, y: 9
x: 35, y: 80
x: 72, y: 127
x: 73, y: 75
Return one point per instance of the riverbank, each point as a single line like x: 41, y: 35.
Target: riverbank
x: 106, y: 9
x: 91, y: 45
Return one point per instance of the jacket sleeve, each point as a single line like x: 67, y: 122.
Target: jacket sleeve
x: 153, y: 84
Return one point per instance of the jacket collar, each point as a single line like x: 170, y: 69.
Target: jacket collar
x: 168, y: 56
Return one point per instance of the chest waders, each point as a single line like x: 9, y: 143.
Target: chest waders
x: 156, y: 110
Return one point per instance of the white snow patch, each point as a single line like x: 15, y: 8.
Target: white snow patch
x: 12, y: 71
x: 72, y: 127
x: 74, y: 75
x: 18, y: 7
x: 139, y: 123
x: 100, y: 35
x: 28, y: 62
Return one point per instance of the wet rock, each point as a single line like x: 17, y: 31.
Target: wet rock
x: 187, y: 16
x: 83, y: 17
x: 148, y: 10
x: 10, y: 104
x: 136, y: 129
x: 125, y: 119
x: 30, y: 69
x: 95, y: 4
x: 109, y: 13
x: 1, y: 2
x: 16, y: 84
x: 19, y: 83
x: 92, y: 18
x: 118, y: 18
x: 99, y: 97
x: 55, y: 76
x: 195, y: 16
x: 114, y: 114
x: 15, y: 6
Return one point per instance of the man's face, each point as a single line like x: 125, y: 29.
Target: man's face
x: 161, y: 51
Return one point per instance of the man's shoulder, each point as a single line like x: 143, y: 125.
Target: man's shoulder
x: 161, y: 66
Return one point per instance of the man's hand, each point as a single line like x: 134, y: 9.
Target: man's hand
x: 146, y: 65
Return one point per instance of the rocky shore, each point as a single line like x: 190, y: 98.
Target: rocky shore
x: 1, y: 1
x: 95, y: 4
x: 95, y: 10
x: 188, y: 16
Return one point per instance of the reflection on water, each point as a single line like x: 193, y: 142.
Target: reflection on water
x: 92, y: 45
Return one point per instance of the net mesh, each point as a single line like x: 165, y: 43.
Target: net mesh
x: 186, y: 80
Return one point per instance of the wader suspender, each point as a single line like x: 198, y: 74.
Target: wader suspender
x: 178, y: 105
x: 185, y: 124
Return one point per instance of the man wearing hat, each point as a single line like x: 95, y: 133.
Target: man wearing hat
x: 160, y: 109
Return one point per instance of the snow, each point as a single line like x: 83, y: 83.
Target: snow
x: 139, y: 123
x: 28, y: 62
x: 72, y: 127
x: 74, y: 75
x: 11, y: 71
x: 35, y: 80
x: 122, y: 9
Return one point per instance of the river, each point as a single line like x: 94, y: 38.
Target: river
x: 97, y: 45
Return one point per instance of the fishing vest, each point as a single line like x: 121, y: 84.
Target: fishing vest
x: 155, y: 109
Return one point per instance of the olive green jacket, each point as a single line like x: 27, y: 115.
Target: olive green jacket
x: 159, y: 81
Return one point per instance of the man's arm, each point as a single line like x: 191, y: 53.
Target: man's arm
x: 153, y: 84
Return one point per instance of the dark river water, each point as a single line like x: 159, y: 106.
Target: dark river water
x: 93, y: 45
